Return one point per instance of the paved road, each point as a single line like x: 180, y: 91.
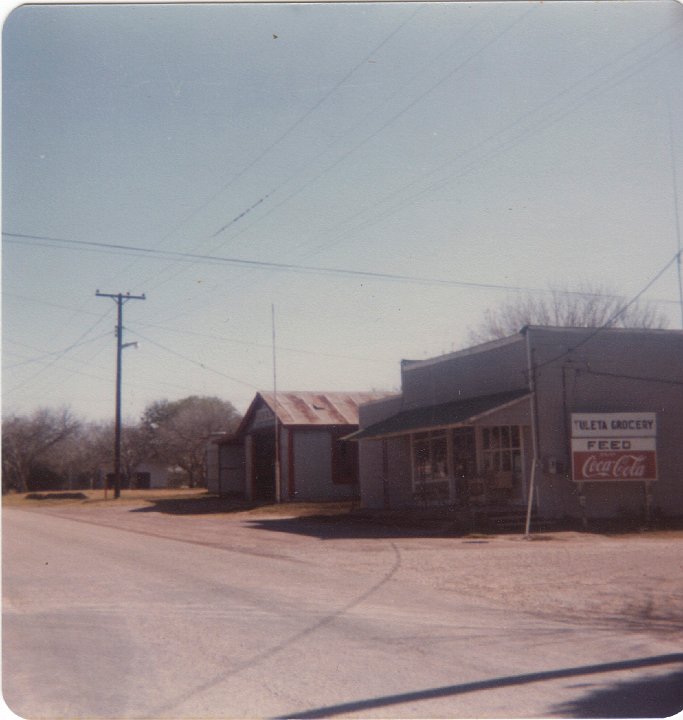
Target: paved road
x: 104, y: 622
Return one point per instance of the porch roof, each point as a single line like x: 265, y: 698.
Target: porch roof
x: 439, y: 416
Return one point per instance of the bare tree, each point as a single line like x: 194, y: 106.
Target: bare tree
x: 135, y: 449
x: 67, y: 458
x: 85, y: 454
x: 589, y: 306
x: 178, y: 432
x: 26, y: 442
x: 97, y: 449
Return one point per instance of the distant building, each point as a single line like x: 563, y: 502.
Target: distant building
x: 314, y: 462
x: 592, y: 417
x: 145, y: 476
x: 152, y: 475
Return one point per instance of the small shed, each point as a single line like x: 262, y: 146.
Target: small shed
x: 143, y: 476
x: 151, y: 475
x: 289, y: 446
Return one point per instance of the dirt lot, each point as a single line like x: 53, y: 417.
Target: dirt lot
x: 630, y: 581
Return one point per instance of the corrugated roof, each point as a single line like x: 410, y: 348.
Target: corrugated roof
x: 319, y: 408
x: 306, y: 408
x: 438, y: 416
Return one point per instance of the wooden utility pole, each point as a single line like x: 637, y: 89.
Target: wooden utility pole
x: 119, y: 299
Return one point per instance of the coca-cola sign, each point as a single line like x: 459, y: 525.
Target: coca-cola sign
x: 615, y: 465
x: 614, y: 446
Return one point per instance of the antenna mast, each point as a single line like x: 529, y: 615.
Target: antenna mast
x: 676, y: 214
x: 278, y: 494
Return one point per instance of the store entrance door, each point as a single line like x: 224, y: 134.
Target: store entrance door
x: 464, y: 450
x: 264, y: 466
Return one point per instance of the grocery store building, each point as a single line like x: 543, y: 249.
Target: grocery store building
x: 584, y: 422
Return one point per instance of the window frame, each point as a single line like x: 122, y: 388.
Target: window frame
x: 426, y: 472
x: 499, y: 446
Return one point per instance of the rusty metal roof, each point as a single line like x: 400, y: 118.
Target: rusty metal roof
x: 319, y: 408
x: 305, y: 408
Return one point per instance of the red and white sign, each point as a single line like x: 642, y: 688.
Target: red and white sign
x: 615, y: 465
x: 614, y: 446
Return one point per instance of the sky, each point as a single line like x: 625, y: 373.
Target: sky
x: 356, y: 182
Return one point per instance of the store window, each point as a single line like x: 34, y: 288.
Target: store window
x: 502, y: 450
x: 430, y: 456
x: 464, y: 452
x: 431, y: 484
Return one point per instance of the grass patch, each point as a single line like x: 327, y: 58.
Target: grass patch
x: 220, y: 504
x: 96, y: 497
x: 57, y: 496
x: 174, y: 501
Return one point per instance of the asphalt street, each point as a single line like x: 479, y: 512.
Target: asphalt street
x: 103, y: 622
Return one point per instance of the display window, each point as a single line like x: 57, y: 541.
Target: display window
x: 501, y: 449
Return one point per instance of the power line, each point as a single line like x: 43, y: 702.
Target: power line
x: 504, y: 145
x: 47, y: 353
x: 179, y: 331
x: 399, y: 114
x: 632, y: 377
x: 291, y: 267
x: 193, y: 361
x: 388, y: 122
x: 334, y: 142
x: 612, y: 317
x: 284, y: 267
x: 61, y: 354
x: 279, y: 139
x: 284, y: 348
x: 27, y: 298
x: 310, y: 111
x: 138, y: 383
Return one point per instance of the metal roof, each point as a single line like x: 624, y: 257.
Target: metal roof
x: 439, y: 416
x: 319, y: 408
x: 306, y: 408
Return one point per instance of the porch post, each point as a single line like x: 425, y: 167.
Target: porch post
x: 531, y: 369
x: 530, y: 498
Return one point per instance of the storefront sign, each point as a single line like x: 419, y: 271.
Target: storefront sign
x: 614, y: 446
x: 614, y: 425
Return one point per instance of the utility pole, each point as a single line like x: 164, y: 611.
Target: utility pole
x: 119, y: 299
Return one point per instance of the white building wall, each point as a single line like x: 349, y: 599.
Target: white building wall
x: 373, y: 456
x: 312, y: 463
x: 313, y: 468
x: 158, y: 474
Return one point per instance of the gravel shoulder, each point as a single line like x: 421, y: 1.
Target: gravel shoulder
x: 631, y: 581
